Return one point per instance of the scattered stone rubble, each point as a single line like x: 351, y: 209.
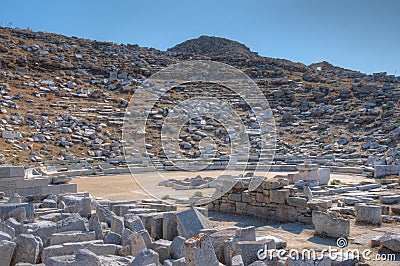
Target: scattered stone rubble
x: 75, y: 228
x: 63, y: 100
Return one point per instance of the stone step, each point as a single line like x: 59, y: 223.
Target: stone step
x: 72, y: 237
x: 141, y: 211
x: 96, y: 246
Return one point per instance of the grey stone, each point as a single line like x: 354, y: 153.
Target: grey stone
x: 391, y: 241
x: 72, y: 223
x: 12, y: 171
x: 28, y: 248
x: 308, y: 193
x: 176, y: 247
x: 86, y: 207
x: 325, y: 223
x: 246, y: 234
x: 8, y: 207
x: 67, y: 260
x: 156, y: 223
x: 190, y: 222
x: 105, y: 215
x: 162, y: 251
x: 15, y: 198
x: 218, y: 238
x: 199, y: 250
x: 368, y: 214
x: 86, y: 257
x: 48, y: 203
x: 237, y: 261
x: 324, y: 176
x: 133, y: 223
x: 175, y: 262
x: 170, y: 230
x: 249, y: 249
x: 71, y: 236
x: 112, y: 238
x: 297, y: 202
x: 96, y: 246
x: 6, y: 252
x: 258, y: 263
x: 61, y: 205
x: 43, y: 229
x: 145, y: 257
x: 7, y: 229
x: 18, y: 214
x: 117, y: 224
x: 392, y: 199
x: 18, y: 227
x: 94, y: 225
x: 132, y: 242
x: 279, y: 195
x: 5, y: 236
x: 286, y: 213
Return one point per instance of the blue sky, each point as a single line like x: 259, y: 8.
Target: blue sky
x: 361, y: 35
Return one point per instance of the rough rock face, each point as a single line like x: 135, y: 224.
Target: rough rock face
x: 213, y: 46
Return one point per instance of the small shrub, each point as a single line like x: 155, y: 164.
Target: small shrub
x: 165, y: 197
x: 198, y: 194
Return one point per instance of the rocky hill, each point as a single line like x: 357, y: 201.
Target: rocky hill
x: 63, y: 100
x: 213, y: 46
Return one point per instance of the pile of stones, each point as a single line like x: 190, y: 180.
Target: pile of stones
x: 197, y: 182
x: 76, y: 229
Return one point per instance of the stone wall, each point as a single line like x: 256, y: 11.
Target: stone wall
x: 386, y: 170
x: 274, y: 200
x: 12, y: 180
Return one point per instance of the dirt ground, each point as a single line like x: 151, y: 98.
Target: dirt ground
x: 122, y: 187
x: 298, y: 235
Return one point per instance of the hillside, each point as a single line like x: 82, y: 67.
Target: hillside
x: 64, y: 98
